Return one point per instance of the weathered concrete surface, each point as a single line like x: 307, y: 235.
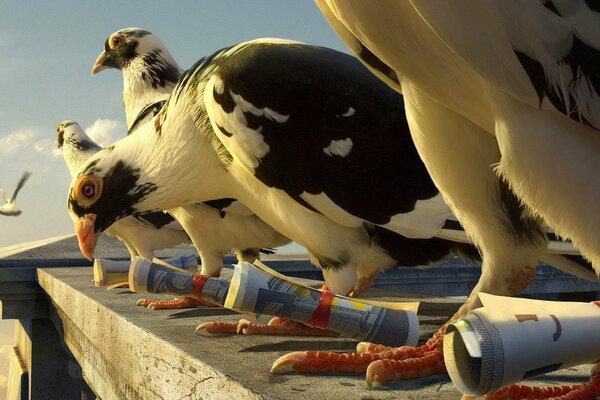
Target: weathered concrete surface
x: 129, y: 352
x: 45, y: 361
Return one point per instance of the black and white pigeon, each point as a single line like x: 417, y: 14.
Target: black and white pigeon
x: 149, y: 75
x: 9, y: 208
x: 520, y: 79
x: 142, y: 233
x: 327, y: 162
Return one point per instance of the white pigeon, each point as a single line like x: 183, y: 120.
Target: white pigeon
x: 149, y: 75
x: 9, y: 208
x: 142, y: 233
x: 517, y: 77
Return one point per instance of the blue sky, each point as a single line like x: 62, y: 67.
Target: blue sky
x: 47, y: 50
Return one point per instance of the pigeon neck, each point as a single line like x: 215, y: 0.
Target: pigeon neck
x: 175, y: 162
x: 144, y: 84
x: 74, y: 159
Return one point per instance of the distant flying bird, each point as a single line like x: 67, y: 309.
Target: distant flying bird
x: 215, y: 227
x: 518, y: 78
x: 9, y: 208
x: 142, y: 233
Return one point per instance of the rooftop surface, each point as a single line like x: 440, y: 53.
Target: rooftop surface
x: 132, y: 352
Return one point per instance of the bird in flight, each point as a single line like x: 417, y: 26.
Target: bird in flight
x: 9, y: 208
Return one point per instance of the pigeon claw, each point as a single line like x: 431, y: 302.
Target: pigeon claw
x: 290, y: 359
x: 218, y: 327
x: 323, y: 361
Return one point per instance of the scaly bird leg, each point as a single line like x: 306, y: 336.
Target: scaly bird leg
x: 364, y: 283
x: 175, y: 304
x: 406, y: 365
x: 276, y: 326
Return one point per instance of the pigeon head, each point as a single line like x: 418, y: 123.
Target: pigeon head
x: 105, y: 190
x: 69, y: 133
x: 60, y: 132
x: 122, y: 47
x: 76, y: 145
x: 149, y: 71
x: 138, y: 47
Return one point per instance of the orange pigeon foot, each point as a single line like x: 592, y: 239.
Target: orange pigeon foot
x: 276, y: 326
x: 175, y: 304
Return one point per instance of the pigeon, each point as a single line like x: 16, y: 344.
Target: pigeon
x: 142, y: 233
x: 518, y: 78
x: 327, y: 163
x: 216, y: 227
x: 9, y: 208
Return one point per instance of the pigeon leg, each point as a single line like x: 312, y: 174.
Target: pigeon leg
x: 381, y: 363
x: 364, y: 283
x: 175, y: 304
x: 281, y: 326
x: 384, y: 364
x: 276, y: 326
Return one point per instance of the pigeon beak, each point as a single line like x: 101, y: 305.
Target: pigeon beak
x: 86, y: 235
x: 99, y: 64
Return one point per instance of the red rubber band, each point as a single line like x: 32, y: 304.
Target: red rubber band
x: 197, y: 285
x: 320, y: 317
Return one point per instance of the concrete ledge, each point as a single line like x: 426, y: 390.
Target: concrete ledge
x: 129, y: 352
x: 18, y: 379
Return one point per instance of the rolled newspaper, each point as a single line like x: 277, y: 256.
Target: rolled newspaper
x: 112, y: 273
x: 510, y: 339
x: 256, y: 291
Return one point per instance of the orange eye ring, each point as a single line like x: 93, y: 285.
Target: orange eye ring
x: 87, y: 189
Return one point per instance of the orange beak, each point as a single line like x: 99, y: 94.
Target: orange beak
x: 99, y: 64
x: 86, y: 235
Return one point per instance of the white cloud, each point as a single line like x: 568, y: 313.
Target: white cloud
x: 3, y: 383
x: 105, y: 131
x: 48, y: 147
x: 15, y: 141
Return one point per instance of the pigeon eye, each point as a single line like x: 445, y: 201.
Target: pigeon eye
x: 118, y: 41
x: 88, y: 190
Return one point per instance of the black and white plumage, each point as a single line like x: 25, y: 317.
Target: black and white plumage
x: 518, y: 80
x: 9, y: 208
x: 461, y: 156
x: 149, y: 74
x: 250, y: 116
x: 232, y: 157
x: 142, y: 233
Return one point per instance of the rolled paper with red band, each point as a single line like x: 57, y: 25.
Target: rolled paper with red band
x: 257, y: 291
x: 252, y: 290
x: 148, y: 277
